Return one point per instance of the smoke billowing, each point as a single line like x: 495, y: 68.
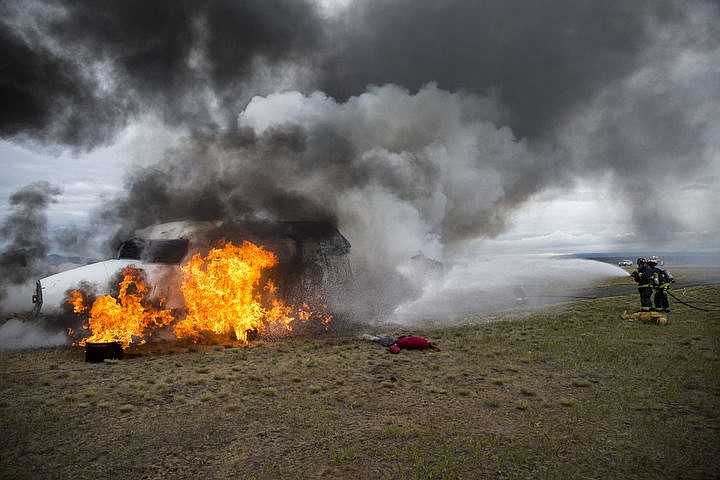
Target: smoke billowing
x: 414, y: 126
x: 16, y: 335
x: 77, y: 71
x: 542, y: 57
x: 415, y: 170
x: 24, y: 230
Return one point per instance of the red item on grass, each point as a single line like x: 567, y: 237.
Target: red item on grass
x: 411, y: 343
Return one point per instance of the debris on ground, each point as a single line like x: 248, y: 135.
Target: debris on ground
x: 384, y: 341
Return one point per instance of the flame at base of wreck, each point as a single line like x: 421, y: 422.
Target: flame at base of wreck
x: 227, y: 292
x: 124, y: 318
x: 222, y: 292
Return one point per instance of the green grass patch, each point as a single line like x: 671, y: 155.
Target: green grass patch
x: 566, y: 391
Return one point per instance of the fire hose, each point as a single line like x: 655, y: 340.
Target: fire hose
x: 595, y: 298
x: 692, y: 306
x: 561, y: 296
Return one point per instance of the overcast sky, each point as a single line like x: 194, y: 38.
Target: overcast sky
x: 516, y: 126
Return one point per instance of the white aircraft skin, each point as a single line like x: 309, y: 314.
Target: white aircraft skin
x: 164, y: 279
x: 53, y: 290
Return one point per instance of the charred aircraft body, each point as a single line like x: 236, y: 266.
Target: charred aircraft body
x: 313, y: 258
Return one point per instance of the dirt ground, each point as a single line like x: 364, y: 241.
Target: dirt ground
x: 569, y: 390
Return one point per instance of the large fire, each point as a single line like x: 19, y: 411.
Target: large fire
x: 222, y: 293
x: 128, y: 316
x: 227, y: 292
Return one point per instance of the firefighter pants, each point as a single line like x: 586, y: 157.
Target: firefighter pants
x: 645, y: 298
x: 661, y: 299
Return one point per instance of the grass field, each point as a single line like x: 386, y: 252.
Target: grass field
x: 563, y: 391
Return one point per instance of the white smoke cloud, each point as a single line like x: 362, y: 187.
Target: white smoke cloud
x: 386, y: 230
x: 17, y: 334
x: 477, y: 283
x: 423, y: 177
x: 424, y: 170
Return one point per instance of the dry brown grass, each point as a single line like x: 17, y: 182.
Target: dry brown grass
x: 568, y: 391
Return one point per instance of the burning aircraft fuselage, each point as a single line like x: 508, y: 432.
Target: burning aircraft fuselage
x: 304, y: 261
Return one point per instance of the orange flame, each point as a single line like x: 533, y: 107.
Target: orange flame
x: 226, y: 292
x: 223, y: 295
x: 128, y: 316
x: 76, y: 300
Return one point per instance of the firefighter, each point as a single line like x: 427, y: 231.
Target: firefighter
x: 662, y: 279
x: 643, y: 277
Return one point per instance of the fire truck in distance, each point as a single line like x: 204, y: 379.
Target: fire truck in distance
x: 659, y: 261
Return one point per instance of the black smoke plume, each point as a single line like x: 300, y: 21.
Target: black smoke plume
x: 76, y: 71
x: 543, y: 57
x: 439, y: 119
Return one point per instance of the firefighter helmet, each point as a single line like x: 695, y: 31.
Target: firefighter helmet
x: 640, y: 262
